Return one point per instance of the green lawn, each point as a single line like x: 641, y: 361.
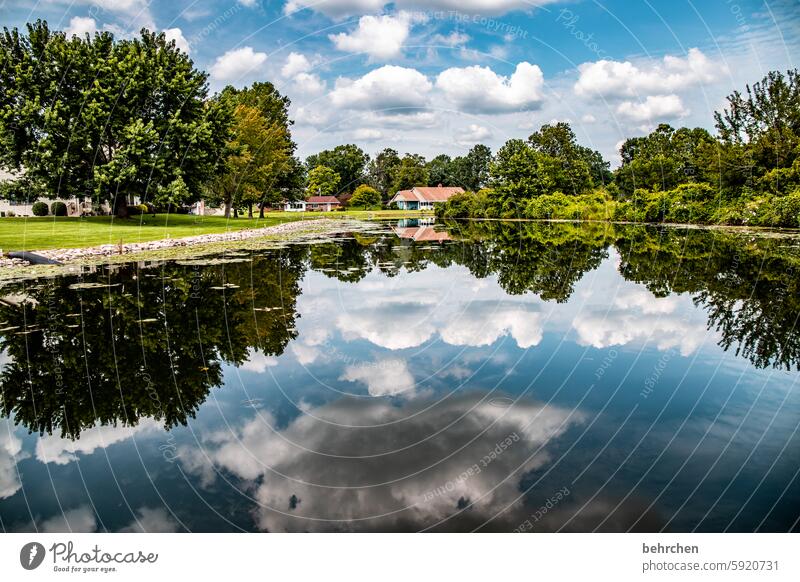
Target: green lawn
x: 30, y: 234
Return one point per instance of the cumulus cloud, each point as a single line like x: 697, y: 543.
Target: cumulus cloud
x: 176, y: 34
x: 77, y: 520
x: 637, y: 316
x: 607, y: 78
x: 54, y: 449
x: 10, y: 452
x: 453, y: 39
x: 152, y: 520
x: 484, y: 322
x: 380, y: 37
x: 343, y: 473
x: 258, y: 362
x: 367, y: 134
x: 472, y: 134
x: 237, y: 63
x: 81, y: 26
x: 387, y: 88
x: 295, y: 63
x: 308, y: 83
x: 341, y: 8
x: 653, y: 108
x: 478, y: 89
x: 384, y: 377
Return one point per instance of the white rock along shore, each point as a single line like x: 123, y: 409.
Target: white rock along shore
x: 70, y: 255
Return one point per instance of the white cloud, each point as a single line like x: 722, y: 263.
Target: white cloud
x: 401, y: 464
x: 653, y: 108
x: 478, y: 89
x: 248, y: 3
x: 637, y: 316
x: 608, y: 78
x: 453, y: 39
x: 177, y: 35
x: 308, y: 83
x: 81, y: 26
x: 385, y: 377
x: 152, y: 520
x: 10, y: 452
x: 380, y: 37
x: 387, y: 88
x: 588, y: 118
x: 78, y: 520
x: 484, y: 322
x: 367, y: 134
x: 237, y: 63
x: 258, y: 362
x: 54, y: 449
x: 295, y: 63
x: 341, y: 8
x: 473, y: 134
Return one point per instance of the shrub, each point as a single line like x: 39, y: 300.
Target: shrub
x: 39, y: 209
x: 58, y: 208
x: 137, y: 209
x: 547, y: 206
x: 11, y: 213
x: 787, y: 209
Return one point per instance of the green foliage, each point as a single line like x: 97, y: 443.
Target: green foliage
x: 58, y: 208
x: 410, y: 172
x: 365, y: 196
x: 464, y: 205
x: 348, y: 161
x: 111, y: 119
x: 39, y: 209
x: 322, y: 181
x: 379, y: 173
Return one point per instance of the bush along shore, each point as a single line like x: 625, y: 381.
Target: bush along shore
x: 746, y: 174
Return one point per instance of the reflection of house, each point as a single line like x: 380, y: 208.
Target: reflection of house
x: 420, y: 230
x: 423, y: 198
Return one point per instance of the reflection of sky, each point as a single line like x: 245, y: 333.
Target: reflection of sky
x: 395, y: 386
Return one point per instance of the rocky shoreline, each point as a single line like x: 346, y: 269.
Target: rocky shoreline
x: 67, y: 256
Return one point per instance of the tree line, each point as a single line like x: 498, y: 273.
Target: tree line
x: 113, y: 121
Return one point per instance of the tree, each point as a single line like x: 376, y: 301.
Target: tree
x: 280, y: 178
x: 348, y: 161
x: 380, y: 170
x: 111, y: 120
x: 322, y: 181
x: 518, y: 173
x: 365, y: 196
x: 259, y: 151
x: 440, y: 171
x: 666, y: 158
x: 761, y: 132
x: 409, y: 173
x: 565, y: 159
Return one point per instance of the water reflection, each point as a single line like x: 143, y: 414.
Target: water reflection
x: 415, y: 376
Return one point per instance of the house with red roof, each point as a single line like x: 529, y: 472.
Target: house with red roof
x: 424, y: 197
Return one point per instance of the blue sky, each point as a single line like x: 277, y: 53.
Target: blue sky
x: 438, y: 76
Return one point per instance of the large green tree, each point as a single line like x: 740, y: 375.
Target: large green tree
x: 322, y: 181
x: 410, y: 172
x: 94, y: 117
x: 349, y: 161
x: 379, y: 171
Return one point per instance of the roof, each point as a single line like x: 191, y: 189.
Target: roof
x: 428, y: 193
x: 422, y: 233
x: 323, y: 200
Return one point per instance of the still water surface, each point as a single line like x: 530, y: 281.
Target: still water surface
x: 489, y: 376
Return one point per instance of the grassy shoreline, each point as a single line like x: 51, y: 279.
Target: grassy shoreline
x: 46, y: 233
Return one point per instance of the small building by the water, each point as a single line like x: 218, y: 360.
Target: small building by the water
x: 424, y: 197
x: 313, y: 204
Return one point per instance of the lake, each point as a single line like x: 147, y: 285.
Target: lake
x: 412, y: 376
